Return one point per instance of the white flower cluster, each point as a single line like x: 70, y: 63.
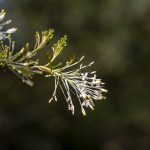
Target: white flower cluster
x: 5, y: 34
x: 84, y: 85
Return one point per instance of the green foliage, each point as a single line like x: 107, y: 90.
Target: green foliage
x: 22, y: 63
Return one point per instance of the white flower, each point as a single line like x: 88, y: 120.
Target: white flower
x: 12, y: 30
x: 5, y: 34
x: 84, y: 85
x: 2, y: 15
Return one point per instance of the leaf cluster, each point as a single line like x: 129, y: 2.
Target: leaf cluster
x: 23, y: 62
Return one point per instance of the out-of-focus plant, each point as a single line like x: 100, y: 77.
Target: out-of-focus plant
x: 68, y: 76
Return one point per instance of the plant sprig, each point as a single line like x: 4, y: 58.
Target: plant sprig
x: 70, y: 77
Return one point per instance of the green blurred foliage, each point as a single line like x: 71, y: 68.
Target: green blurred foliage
x: 114, y: 33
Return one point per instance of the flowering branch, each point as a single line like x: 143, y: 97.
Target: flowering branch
x: 70, y: 78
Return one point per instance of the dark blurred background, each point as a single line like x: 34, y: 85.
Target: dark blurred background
x: 113, y: 33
